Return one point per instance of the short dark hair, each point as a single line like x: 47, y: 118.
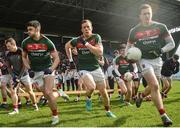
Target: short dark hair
x: 176, y: 57
x: 11, y: 40
x: 34, y: 23
x: 115, y: 51
x: 144, y: 6
x: 85, y: 21
x: 122, y: 46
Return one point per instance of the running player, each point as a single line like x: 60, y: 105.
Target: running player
x: 37, y: 53
x: 153, y: 39
x: 89, y: 47
x: 18, y: 74
x: 170, y: 67
x: 5, y: 79
x: 122, y: 66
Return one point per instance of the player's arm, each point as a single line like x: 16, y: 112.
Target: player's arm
x: 168, y: 39
x: 169, y: 44
x: 176, y: 68
x: 96, y: 50
x: 101, y: 61
x: 25, y: 60
x: 56, y: 60
x: 116, y: 72
x: 68, y: 48
x: 130, y: 42
x: 135, y: 68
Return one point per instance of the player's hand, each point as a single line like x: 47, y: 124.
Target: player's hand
x: 31, y: 73
x: 15, y: 81
x: 123, y: 78
x: 82, y: 40
x: 1, y: 64
x: 47, y: 71
x: 157, y: 52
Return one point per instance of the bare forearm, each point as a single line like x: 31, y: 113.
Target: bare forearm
x: 129, y: 45
x: 98, y: 51
x: 55, y: 63
x: 170, y: 44
x: 68, y: 50
x: 26, y: 63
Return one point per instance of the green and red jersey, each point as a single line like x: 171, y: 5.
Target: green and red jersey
x: 149, y: 38
x: 87, y: 60
x: 39, y: 52
x: 123, y: 65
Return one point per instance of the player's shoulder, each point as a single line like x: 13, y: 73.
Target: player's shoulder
x: 46, y: 38
x: 134, y: 28
x: 95, y: 35
x: 7, y: 54
x: 26, y: 39
x: 75, y: 39
x: 19, y: 49
x: 159, y: 24
x: 116, y: 58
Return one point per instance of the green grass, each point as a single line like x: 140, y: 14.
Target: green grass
x: 74, y: 114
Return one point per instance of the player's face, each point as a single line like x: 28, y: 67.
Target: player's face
x: 32, y: 31
x: 122, y: 52
x: 86, y: 29
x: 10, y: 47
x: 146, y: 15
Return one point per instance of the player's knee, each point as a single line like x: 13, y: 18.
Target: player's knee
x: 154, y: 87
x: 123, y: 90
x: 92, y: 89
x: 47, y: 93
x: 129, y: 91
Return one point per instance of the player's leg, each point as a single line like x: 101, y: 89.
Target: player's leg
x: 48, y: 93
x: 129, y: 93
x: 90, y: 85
x: 5, y: 81
x: 4, y: 95
x: 151, y: 74
x: 121, y: 84
x: 111, y: 85
x: 100, y: 81
x: 14, y: 99
x: 46, y: 84
x: 28, y: 86
x: 169, y: 85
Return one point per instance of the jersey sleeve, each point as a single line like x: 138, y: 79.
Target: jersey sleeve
x: 131, y: 38
x: 164, y: 31
x: 51, y: 46
x: 23, y: 45
x: 98, y: 39
x: 117, y: 60
x: 74, y: 42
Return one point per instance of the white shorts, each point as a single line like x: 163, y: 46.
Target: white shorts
x: 6, y: 79
x: 26, y: 80
x: 166, y: 77
x: 97, y: 74
x: 151, y: 65
x: 39, y: 78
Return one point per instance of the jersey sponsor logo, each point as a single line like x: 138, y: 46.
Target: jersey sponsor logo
x: 123, y: 62
x: 80, y: 45
x: 148, y: 33
x: 36, y: 47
